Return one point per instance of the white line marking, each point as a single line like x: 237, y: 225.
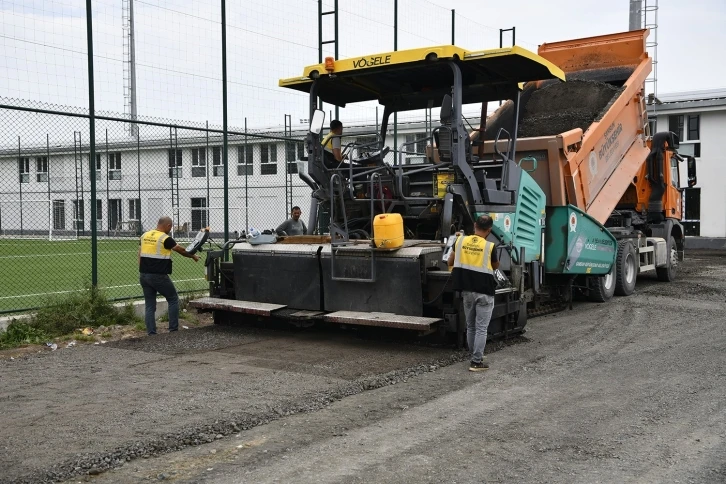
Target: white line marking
x: 68, y: 253
x: 79, y: 290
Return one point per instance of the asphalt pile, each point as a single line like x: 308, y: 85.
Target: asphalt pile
x: 563, y: 106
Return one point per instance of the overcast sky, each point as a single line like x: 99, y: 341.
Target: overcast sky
x: 178, y: 50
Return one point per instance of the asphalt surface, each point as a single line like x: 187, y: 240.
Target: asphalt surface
x: 633, y: 390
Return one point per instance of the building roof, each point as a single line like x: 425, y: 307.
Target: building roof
x: 708, y: 99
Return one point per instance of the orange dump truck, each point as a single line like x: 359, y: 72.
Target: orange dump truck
x: 587, y: 143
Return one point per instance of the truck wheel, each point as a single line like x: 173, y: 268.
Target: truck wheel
x: 627, y: 269
x: 667, y: 273
x: 602, y: 288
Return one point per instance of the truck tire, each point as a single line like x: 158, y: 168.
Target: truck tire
x: 667, y: 273
x: 626, y: 269
x: 602, y: 288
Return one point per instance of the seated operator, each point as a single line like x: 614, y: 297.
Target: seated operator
x: 332, y: 153
x: 293, y: 225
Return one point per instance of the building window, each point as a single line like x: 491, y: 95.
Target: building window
x: 415, y: 148
x: 652, y: 126
x: 175, y: 163
x: 199, y: 213
x: 134, y: 209
x: 199, y: 162
x: 290, y: 156
x: 366, y: 144
x: 675, y: 125
x: 692, y: 213
x: 675, y: 176
x: 301, y: 155
x: 694, y: 128
x: 245, y: 161
x: 268, y: 159
x: 24, y: 169
x: 115, y: 215
x: 690, y: 149
x: 98, y: 166
x: 41, y: 169
x: 114, y: 166
x: 59, y: 215
x: 217, y: 168
x: 99, y: 214
x: 78, y: 214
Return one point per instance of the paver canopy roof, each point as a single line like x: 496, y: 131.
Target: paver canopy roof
x: 419, y: 78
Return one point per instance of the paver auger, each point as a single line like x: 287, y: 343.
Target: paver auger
x: 548, y: 242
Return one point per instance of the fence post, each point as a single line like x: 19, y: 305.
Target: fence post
x: 92, y: 155
x: 395, y: 48
x: 139, y: 230
x: 335, y: 19
x: 206, y: 169
x: 453, y: 26
x: 47, y: 173
x: 224, y: 120
x: 20, y: 185
x: 108, y: 191
x: 247, y: 187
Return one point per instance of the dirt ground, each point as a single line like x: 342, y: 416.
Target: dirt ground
x: 633, y: 390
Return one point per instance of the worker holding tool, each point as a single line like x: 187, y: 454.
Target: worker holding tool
x: 293, y: 225
x: 154, y: 271
x: 474, y: 261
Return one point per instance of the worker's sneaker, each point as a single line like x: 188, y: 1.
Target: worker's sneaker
x: 481, y: 366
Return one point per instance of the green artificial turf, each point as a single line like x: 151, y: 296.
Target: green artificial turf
x: 34, y: 269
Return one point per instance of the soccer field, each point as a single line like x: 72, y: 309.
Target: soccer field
x: 35, y: 270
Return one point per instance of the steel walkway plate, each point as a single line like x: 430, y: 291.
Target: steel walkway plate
x: 235, y: 306
x: 386, y: 320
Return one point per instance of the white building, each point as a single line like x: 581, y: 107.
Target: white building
x: 699, y: 120
x: 45, y: 189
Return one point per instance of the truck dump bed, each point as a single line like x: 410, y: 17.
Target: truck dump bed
x: 583, y: 140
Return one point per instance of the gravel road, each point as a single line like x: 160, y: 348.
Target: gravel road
x: 633, y: 390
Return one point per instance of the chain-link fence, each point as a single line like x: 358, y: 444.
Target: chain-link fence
x: 140, y: 172
x: 143, y: 58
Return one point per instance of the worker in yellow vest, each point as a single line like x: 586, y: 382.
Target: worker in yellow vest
x: 154, y: 271
x: 333, y: 157
x: 474, y: 260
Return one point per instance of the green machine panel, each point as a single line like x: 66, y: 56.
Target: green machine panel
x: 523, y: 228
x: 575, y: 243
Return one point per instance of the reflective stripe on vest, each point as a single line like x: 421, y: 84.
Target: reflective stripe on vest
x: 474, y: 253
x: 152, y: 245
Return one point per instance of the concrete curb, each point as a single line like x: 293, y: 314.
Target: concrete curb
x: 707, y: 243
x: 139, y: 308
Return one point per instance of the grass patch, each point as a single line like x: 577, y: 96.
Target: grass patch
x: 140, y: 326
x: 88, y: 308
x: 64, y: 316
x: 84, y: 338
x: 20, y: 333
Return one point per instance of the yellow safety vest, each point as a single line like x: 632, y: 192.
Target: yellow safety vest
x: 152, y: 245
x: 474, y: 253
x: 328, y: 141
x: 473, y: 265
